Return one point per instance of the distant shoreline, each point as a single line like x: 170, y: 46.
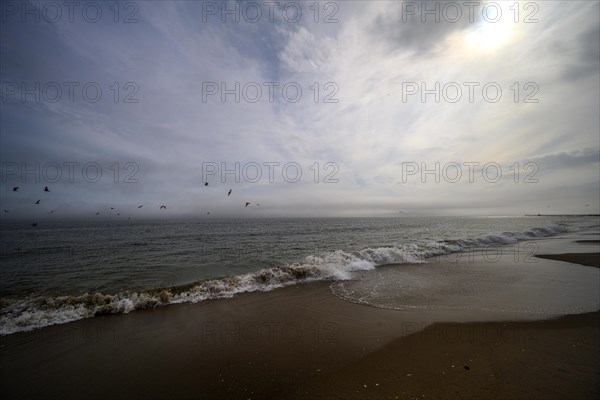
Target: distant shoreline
x: 562, y: 215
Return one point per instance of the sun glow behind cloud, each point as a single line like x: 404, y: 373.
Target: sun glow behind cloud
x: 369, y: 55
x: 492, y: 35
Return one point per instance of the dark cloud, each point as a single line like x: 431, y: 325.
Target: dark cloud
x: 588, y: 157
x: 588, y: 61
x: 403, y: 29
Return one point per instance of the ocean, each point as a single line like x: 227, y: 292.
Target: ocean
x: 57, y: 272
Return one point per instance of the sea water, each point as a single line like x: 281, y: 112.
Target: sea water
x: 59, y: 272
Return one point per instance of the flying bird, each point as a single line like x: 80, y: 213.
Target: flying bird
x: 165, y: 207
x: 228, y: 193
x: 141, y: 206
x: 37, y: 202
x: 5, y: 210
x: 118, y: 214
x: 258, y: 204
x: 46, y: 189
x: 205, y: 183
x: 16, y: 188
x: 34, y: 224
x: 97, y: 213
x: 247, y: 204
x: 207, y: 212
x: 587, y: 205
x: 112, y: 208
x: 50, y: 212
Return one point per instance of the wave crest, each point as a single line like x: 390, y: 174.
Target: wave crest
x: 36, y: 312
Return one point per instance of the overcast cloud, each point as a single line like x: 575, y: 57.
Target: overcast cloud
x: 374, y: 135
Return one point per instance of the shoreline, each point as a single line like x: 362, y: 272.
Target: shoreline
x: 57, y: 308
x: 301, y: 341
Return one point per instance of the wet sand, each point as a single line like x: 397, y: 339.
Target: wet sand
x: 304, y: 342
x: 589, y: 259
x: 552, y: 359
x: 256, y: 345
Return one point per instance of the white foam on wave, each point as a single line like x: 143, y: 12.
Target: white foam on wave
x: 36, y: 312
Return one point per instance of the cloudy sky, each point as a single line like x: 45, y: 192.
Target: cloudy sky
x: 142, y: 103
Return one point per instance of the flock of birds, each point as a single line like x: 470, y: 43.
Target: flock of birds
x: 162, y: 207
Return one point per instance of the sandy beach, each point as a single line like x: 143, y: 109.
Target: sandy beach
x: 552, y: 359
x: 305, y: 342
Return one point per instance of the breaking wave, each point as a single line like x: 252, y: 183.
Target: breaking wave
x: 21, y: 315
